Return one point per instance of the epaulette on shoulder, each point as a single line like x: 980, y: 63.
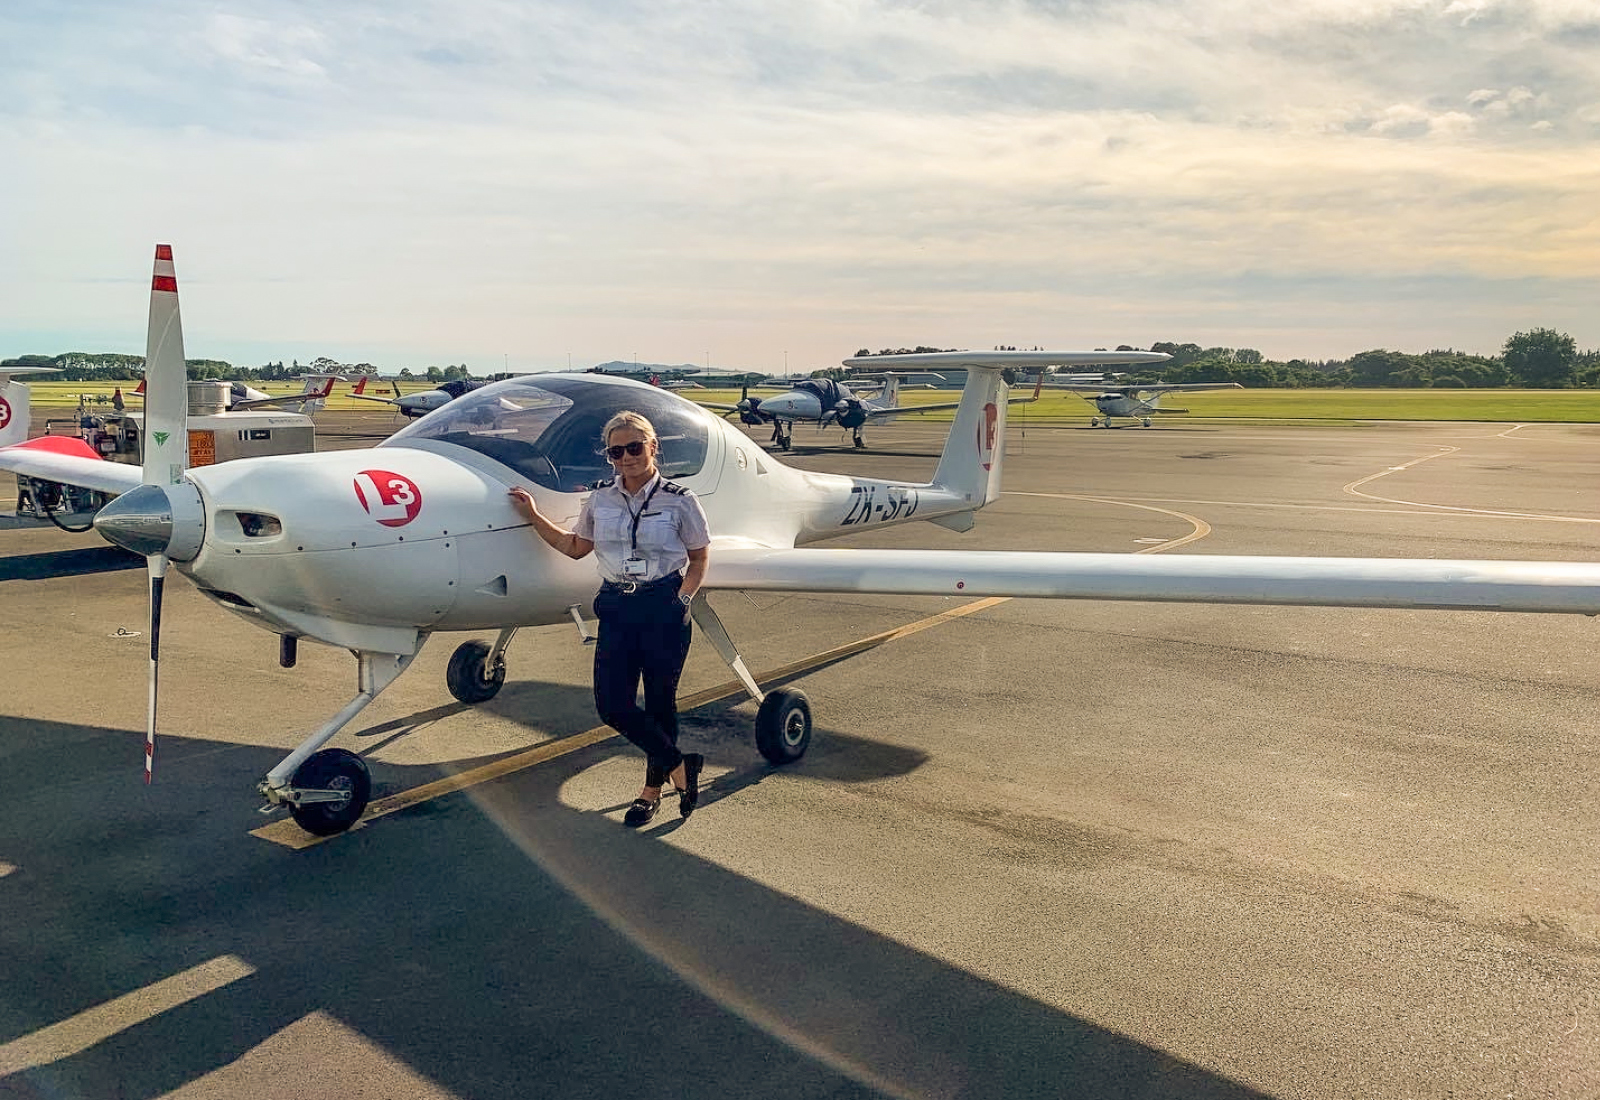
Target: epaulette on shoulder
x: 673, y: 487
x: 604, y: 484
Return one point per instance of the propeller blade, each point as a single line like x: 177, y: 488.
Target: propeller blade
x: 157, y: 565
x: 165, y: 440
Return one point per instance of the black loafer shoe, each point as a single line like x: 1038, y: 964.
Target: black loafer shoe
x: 693, y: 762
x: 641, y: 812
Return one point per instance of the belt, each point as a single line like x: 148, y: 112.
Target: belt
x: 628, y: 588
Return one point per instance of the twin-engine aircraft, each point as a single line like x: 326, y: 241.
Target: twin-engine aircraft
x: 292, y: 543
x: 1137, y: 402
x: 824, y: 401
x: 415, y: 405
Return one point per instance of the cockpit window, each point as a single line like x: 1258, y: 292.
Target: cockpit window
x: 548, y: 429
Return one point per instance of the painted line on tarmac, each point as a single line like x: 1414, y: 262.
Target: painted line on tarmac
x: 285, y: 832
x: 1201, y: 527
x: 1354, y: 489
x: 93, y: 1026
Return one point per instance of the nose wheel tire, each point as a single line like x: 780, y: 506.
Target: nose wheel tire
x: 331, y: 770
x: 469, y: 677
x: 783, y: 726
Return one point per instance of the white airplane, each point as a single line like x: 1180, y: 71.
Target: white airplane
x: 423, y: 402
x: 1137, y: 402
x: 313, y: 395
x: 824, y: 401
x: 292, y: 543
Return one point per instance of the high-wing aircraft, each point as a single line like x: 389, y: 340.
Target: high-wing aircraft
x: 1137, y: 402
x: 291, y: 543
x: 823, y: 401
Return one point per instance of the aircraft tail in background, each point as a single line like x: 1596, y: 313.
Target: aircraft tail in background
x: 15, y: 411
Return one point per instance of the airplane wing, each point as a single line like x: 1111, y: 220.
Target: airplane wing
x: 1156, y: 387
x: 876, y: 413
x: 68, y: 460
x: 1333, y: 582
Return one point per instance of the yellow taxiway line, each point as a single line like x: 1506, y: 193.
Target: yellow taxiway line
x: 285, y: 832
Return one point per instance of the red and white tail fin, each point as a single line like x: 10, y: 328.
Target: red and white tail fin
x: 360, y: 386
x: 14, y: 410
x: 139, y: 389
x: 975, y: 449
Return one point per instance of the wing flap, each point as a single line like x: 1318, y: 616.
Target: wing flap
x: 1563, y: 587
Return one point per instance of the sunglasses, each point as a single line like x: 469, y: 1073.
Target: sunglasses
x: 636, y: 448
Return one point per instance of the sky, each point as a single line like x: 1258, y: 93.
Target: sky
x: 538, y: 184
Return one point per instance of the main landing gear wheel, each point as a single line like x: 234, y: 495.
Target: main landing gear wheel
x: 783, y: 725
x: 331, y: 770
x: 469, y: 676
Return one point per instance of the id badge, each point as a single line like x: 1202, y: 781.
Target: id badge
x: 633, y: 567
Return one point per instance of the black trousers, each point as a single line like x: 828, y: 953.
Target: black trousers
x: 643, y: 635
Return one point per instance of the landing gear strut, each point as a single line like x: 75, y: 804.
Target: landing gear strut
x: 783, y: 724
x: 327, y: 791
x: 861, y: 444
x: 783, y: 435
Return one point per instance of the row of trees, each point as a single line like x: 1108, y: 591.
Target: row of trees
x: 78, y: 366
x: 1540, y: 359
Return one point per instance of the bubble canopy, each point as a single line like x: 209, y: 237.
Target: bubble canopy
x: 548, y: 428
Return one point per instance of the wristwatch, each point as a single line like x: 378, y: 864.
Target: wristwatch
x: 685, y: 599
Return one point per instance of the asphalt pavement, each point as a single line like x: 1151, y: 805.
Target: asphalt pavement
x: 1037, y: 849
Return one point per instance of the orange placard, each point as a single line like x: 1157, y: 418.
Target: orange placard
x: 202, y: 448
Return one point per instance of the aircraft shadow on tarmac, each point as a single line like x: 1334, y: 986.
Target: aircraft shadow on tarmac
x: 499, y: 943
x: 67, y: 563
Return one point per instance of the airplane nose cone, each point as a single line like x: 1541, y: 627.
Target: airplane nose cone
x: 155, y: 519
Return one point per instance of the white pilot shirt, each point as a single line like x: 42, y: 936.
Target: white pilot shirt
x: 670, y: 525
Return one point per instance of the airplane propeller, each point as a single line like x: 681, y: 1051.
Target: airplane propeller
x: 163, y: 518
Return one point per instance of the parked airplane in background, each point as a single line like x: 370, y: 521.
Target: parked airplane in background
x: 15, y: 409
x: 291, y: 543
x: 312, y: 397
x: 823, y: 401
x: 1138, y: 402
x: 422, y: 403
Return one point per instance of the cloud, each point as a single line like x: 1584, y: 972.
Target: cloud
x: 484, y: 176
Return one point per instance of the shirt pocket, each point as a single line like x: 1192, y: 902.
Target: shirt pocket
x: 658, y: 530
x: 612, y: 526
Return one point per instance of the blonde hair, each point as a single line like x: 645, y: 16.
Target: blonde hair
x: 628, y: 419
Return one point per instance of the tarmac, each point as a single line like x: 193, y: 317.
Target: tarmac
x: 1037, y: 848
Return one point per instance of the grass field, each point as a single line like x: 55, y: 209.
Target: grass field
x: 1497, y: 406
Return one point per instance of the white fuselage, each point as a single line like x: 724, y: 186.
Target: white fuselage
x: 417, y: 536
x: 1119, y: 404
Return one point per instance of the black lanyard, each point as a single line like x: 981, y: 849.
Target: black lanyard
x: 640, y: 514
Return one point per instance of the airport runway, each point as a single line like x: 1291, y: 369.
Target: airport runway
x: 1040, y: 849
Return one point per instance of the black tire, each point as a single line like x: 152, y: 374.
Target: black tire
x: 331, y: 770
x: 783, y: 726
x: 469, y: 676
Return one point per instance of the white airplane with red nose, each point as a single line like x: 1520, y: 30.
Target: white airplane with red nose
x: 293, y: 543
